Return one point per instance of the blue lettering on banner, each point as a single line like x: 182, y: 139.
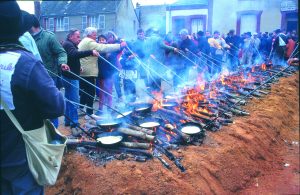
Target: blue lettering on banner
x: 8, y: 62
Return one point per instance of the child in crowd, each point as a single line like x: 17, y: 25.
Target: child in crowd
x: 129, y: 74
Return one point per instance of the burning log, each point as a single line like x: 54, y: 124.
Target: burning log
x: 163, y: 162
x: 135, y: 145
x: 256, y: 94
x: 170, y: 156
x: 205, y: 118
x: 184, y: 136
x: 222, y: 110
x: 179, y: 116
x: 280, y: 74
x: 134, y: 151
x: 235, y: 111
x: 144, y: 130
x: 225, y: 113
x: 263, y: 92
x: 237, y: 101
x: 223, y: 120
x: 201, y: 102
x: 77, y: 142
x: 210, y: 114
x: 242, y: 92
x: 248, y: 88
x: 134, y: 133
x: 230, y: 94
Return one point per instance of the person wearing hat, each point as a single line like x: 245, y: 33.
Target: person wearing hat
x: 234, y: 41
x: 26, y: 39
x: 29, y: 93
x: 53, y: 54
x: 190, y: 49
x: 248, y: 49
x: 279, y: 47
x: 256, y: 43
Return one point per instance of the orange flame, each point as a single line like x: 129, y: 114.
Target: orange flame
x: 264, y: 66
x: 168, y: 137
x: 157, y: 103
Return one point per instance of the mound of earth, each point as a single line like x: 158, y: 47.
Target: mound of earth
x: 257, y: 154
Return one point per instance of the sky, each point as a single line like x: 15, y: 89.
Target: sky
x: 152, y: 2
x: 29, y: 7
x: 26, y: 6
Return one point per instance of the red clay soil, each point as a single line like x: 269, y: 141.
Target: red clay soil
x: 258, y: 154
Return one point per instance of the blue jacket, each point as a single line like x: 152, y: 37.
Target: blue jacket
x: 32, y: 96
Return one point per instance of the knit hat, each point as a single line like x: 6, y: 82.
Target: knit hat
x: 13, y: 21
x: 248, y: 33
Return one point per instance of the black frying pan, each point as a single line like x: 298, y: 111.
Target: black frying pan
x: 110, y: 139
x: 108, y: 124
x: 190, y: 128
x: 143, y: 108
x: 149, y: 123
x: 123, y: 115
x: 169, y: 105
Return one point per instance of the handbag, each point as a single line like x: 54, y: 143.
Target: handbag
x: 43, y: 157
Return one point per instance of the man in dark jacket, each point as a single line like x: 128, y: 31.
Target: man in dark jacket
x: 204, y: 48
x: 234, y: 41
x: 263, y: 47
x: 155, y: 52
x: 138, y: 47
x: 71, y: 81
x: 190, y: 50
x: 30, y: 93
x: 53, y: 54
x: 279, y: 47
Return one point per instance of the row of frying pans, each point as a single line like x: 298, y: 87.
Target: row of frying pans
x: 114, y: 137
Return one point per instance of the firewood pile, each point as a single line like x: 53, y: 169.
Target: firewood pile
x: 153, y: 129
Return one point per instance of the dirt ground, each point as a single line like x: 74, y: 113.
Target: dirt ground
x: 258, y: 154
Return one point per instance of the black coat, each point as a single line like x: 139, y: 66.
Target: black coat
x: 203, y: 45
x: 234, y: 43
x: 73, y: 58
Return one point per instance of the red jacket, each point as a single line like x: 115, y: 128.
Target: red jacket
x: 290, y: 46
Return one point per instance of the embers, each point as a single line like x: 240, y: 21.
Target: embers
x: 184, y: 120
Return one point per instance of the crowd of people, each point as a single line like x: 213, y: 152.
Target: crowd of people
x: 92, y: 68
x: 105, y: 62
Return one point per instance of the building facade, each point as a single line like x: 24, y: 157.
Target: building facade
x: 116, y: 15
x: 223, y: 15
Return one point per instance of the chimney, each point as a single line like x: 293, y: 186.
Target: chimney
x: 37, y: 9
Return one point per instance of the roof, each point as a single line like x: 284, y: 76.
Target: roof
x: 61, y: 8
x: 190, y: 2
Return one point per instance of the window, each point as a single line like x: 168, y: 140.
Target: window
x: 93, y: 21
x: 46, y: 23
x: 101, y: 22
x: 66, y: 23
x: 196, y: 25
x: 248, y: 23
x: 51, y: 24
x: 134, y: 25
x: 178, y: 23
x: 59, y: 24
x: 84, y: 22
